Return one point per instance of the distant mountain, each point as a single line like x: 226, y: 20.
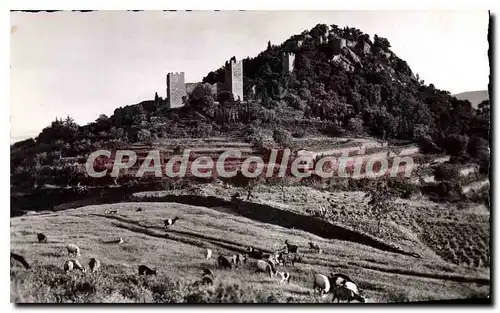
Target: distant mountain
x: 474, y: 97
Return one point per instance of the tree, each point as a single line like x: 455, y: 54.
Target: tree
x: 380, y: 203
x: 202, y: 100
x: 381, y: 42
x: 281, y: 183
x: 103, y: 122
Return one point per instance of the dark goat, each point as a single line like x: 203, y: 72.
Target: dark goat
x: 255, y: 253
x: 41, y: 238
x: 225, y: 262
x: 169, y: 222
x: 143, y: 269
x: 94, y: 264
x: 207, y: 272
x: 19, y: 258
x: 314, y: 246
x: 291, y: 248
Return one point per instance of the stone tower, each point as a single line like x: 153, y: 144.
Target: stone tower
x: 338, y: 44
x: 176, y: 89
x: 288, y: 60
x: 234, y: 78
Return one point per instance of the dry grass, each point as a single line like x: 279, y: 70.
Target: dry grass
x: 178, y: 256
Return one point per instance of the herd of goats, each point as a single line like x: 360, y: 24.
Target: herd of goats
x: 341, y: 286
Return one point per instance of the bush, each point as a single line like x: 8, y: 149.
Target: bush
x: 456, y: 144
x: 282, y: 137
x: 144, y: 135
x: 444, y: 172
x: 355, y: 125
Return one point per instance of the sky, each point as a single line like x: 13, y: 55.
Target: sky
x: 87, y: 64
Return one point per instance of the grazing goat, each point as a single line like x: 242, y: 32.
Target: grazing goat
x: 94, y: 265
x: 208, y: 254
x: 225, y: 262
x: 340, y: 278
x: 321, y: 283
x: 240, y: 259
x: 69, y: 265
x: 255, y: 253
x: 207, y: 278
x: 169, y: 222
x: 348, y: 292
x: 207, y: 272
x: 291, y: 248
x: 73, y: 250
x: 345, y: 289
x: 19, y: 258
x: 263, y: 266
x: 272, y: 262
x: 41, y: 238
x: 314, y: 246
x: 143, y: 269
x: 285, y: 277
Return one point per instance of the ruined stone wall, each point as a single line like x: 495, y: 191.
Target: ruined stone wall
x: 176, y: 89
x: 288, y: 62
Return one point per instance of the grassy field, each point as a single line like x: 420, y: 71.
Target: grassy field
x: 178, y: 254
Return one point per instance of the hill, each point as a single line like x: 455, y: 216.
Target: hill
x: 342, y: 83
x: 474, y: 97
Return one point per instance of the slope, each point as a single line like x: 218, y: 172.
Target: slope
x: 179, y: 257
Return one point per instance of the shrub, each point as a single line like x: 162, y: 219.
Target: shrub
x: 456, y: 144
x: 355, y: 125
x: 144, y: 135
x: 444, y: 172
x: 282, y: 137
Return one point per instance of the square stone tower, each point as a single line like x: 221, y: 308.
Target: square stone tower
x: 176, y: 89
x: 234, y: 78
